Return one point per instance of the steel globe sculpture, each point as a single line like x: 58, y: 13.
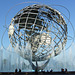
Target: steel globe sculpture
x: 40, y: 27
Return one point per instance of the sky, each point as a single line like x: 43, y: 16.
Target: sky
x: 5, y: 5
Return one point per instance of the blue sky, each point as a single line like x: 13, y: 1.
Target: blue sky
x: 5, y: 5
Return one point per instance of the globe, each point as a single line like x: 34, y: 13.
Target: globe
x: 41, y: 28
